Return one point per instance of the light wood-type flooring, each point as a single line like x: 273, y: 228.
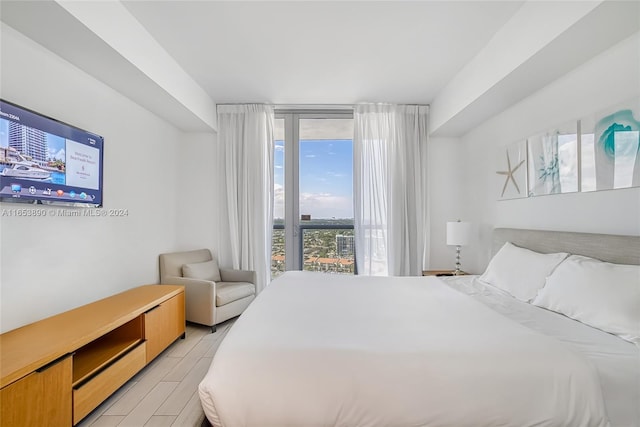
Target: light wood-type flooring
x: 165, y: 393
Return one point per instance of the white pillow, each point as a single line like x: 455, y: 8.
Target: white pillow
x: 596, y: 293
x: 520, y: 272
x: 208, y: 270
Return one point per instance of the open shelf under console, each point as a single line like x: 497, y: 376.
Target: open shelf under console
x: 67, y: 364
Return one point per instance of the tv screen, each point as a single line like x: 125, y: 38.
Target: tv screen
x: 45, y: 161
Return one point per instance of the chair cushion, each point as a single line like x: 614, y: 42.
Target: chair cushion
x: 208, y: 270
x: 227, y: 292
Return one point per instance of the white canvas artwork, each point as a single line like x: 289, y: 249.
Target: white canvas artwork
x: 553, y: 161
x: 511, y: 171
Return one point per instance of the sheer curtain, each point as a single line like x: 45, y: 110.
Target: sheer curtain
x: 390, y: 177
x: 245, y: 163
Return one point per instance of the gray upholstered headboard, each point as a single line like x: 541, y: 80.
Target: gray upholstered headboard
x: 606, y: 247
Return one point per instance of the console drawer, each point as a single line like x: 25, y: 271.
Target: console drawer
x: 90, y: 394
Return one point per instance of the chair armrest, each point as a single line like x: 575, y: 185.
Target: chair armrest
x: 200, y: 298
x: 238, y: 276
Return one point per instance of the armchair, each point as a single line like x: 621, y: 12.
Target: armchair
x: 208, y: 301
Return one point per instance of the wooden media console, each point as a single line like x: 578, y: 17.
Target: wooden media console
x: 54, y: 372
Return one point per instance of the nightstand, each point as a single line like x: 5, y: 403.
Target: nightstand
x: 441, y: 273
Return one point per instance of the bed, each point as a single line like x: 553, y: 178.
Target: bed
x: 328, y: 350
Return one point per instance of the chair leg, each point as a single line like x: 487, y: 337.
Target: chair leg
x: 213, y: 329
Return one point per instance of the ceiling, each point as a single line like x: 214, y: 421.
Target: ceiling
x: 322, y: 52
x: 468, y: 59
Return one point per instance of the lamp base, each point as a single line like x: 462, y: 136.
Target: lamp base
x: 458, y: 271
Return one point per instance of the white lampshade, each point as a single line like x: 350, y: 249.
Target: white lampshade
x: 458, y: 233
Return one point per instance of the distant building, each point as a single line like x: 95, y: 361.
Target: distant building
x: 29, y: 142
x: 345, y: 245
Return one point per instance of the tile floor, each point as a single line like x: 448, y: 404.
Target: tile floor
x: 165, y: 392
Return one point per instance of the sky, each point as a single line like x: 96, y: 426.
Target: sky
x: 326, y: 178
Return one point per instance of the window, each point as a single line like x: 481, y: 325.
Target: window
x: 313, y: 192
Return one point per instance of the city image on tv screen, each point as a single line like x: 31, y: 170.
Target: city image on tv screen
x: 45, y: 161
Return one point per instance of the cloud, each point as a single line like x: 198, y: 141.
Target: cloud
x: 326, y: 205
x: 278, y: 201
x: 318, y: 205
x: 60, y: 155
x: 310, y: 155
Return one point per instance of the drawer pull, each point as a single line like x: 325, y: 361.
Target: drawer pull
x: 107, y: 366
x: 52, y: 363
x: 151, y: 309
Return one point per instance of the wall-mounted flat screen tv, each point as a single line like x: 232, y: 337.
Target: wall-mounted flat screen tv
x: 45, y: 161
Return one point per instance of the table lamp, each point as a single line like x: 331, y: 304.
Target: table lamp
x: 458, y: 234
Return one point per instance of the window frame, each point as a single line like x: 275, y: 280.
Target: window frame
x: 293, y: 230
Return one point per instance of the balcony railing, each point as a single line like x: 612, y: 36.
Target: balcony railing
x: 320, y: 249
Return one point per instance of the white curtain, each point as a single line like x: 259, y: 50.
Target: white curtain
x: 390, y: 183
x: 245, y: 154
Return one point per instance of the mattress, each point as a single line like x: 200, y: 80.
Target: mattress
x: 328, y: 350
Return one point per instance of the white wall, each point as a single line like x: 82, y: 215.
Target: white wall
x: 604, y: 81
x: 52, y: 264
x: 197, y: 192
x: 446, y: 197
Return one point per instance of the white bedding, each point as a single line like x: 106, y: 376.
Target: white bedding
x: 328, y: 350
x: 616, y: 360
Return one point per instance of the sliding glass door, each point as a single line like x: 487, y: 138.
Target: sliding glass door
x: 313, y: 192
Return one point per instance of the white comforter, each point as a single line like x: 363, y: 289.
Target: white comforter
x: 326, y: 350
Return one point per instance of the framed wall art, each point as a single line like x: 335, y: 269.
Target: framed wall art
x: 610, y: 141
x: 553, y: 161
x: 511, y: 172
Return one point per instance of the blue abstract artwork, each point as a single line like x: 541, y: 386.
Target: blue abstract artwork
x: 553, y: 161
x: 610, y: 150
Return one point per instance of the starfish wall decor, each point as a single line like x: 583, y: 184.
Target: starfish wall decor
x: 509, y: 175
